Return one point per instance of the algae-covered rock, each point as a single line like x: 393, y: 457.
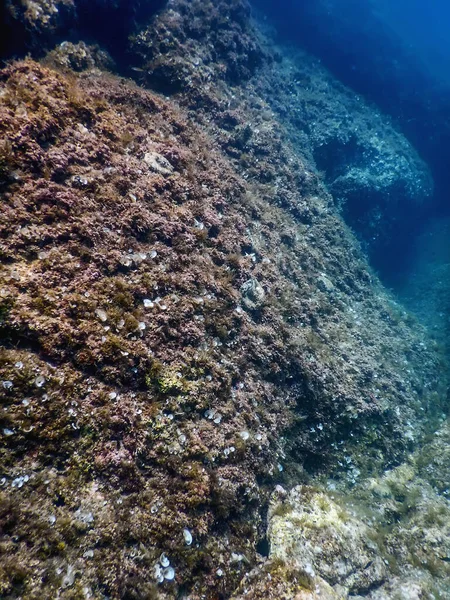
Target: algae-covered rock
x: 277, y: 580
x: 185, y: 321
x: 387, y: 539
x: 374, y: 173
x: 314, y: 532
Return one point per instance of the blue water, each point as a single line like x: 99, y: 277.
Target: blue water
x: 397, y: 55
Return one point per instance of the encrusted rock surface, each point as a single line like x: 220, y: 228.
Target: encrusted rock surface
x: 373, y: 172
x: 371, y: 169
x: 283, y: 581
x: 186, y: 321
x: 315, y: 533
x: 388, y: 538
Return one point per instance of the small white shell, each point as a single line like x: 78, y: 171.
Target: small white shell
x: 101, y: 314
x: 39, y: 381
x: 187, y: 537
x: 165, y: 562
x: 169, y: 574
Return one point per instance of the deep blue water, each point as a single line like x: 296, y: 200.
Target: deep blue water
x: 397, y: 55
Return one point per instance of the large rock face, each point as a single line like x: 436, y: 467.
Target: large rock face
x: 185, y: 318
x: 376, y: 177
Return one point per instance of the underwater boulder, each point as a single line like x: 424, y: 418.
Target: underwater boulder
x: 186, y: 322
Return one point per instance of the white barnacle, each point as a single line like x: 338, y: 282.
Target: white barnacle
x: 244, y: 435
x: 69, y: 577
x: 7, y: 385
x: 158, y: 573
x: 101, y: 314
x: 126, y: 261
x: 165, y: 562
x: 236, y: 558
x: 84, y: 516
x: 39, y: 381
x: 148, y: 303
x: 187, y: 537
x: 169, y: 574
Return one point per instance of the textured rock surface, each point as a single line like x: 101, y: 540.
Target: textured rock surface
x: 372, y: 171
x: 283, y: 581
x: 185, y: 318
x: 312, y: 531
x: 386, y: 539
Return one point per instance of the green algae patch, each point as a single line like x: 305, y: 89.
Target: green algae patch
x: 169, y: 380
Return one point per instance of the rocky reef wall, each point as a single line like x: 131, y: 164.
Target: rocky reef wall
x: 186, y: 319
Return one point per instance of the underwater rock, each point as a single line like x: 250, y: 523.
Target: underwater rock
x: 165, y: 406
x: 388, y: 538
x: 25, y: 24
x: 253, y: 294
x: 37, y: 25
x: 79, y: 57
x: 374, y: 173
x: 313, y: 532
x: 277, y: 580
